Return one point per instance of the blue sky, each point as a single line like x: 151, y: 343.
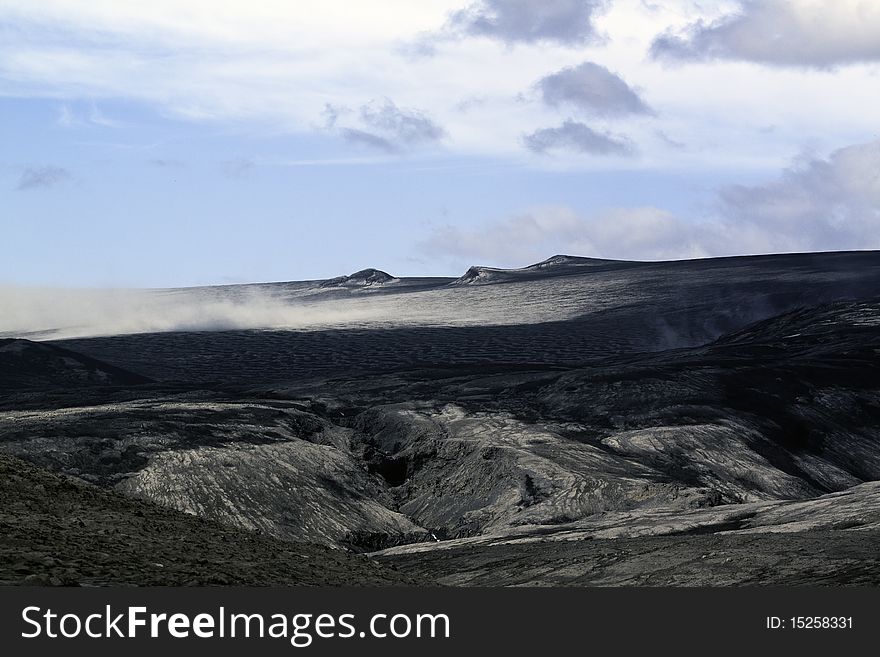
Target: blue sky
x: 195, y: 142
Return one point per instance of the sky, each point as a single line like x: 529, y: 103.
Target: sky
x: 198, y: 142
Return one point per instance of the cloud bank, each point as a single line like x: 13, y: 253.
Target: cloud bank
x: 802, y: 33
x: 820, y: 204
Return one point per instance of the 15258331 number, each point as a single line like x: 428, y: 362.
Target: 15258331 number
x: 810, y: 623
x: 821, y: 622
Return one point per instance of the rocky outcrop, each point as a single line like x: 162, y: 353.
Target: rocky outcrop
x: 482, y: 275
x: 363, y: 278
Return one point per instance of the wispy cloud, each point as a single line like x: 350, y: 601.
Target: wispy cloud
x: 238, y: 167
x: 389, y: 128
x: 369, y: 139
x: 70, y: 116
x: 670, y: 141
x: 42, y: 177
x: 166, y: 163
x: 577, y: 137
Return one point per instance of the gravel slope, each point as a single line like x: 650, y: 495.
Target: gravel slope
x: 57, y: 531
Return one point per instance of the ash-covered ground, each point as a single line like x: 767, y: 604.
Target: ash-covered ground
x: 575, y: 422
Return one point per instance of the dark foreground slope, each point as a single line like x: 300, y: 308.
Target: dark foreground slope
x: 61, y: 532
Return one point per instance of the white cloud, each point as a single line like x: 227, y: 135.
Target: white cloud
x: 592, y: 89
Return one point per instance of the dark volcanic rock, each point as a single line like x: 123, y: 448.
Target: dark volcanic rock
x: 821, y: 558
x: 262, y: 465
x: 660, y: 406
x: 776, y: 411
